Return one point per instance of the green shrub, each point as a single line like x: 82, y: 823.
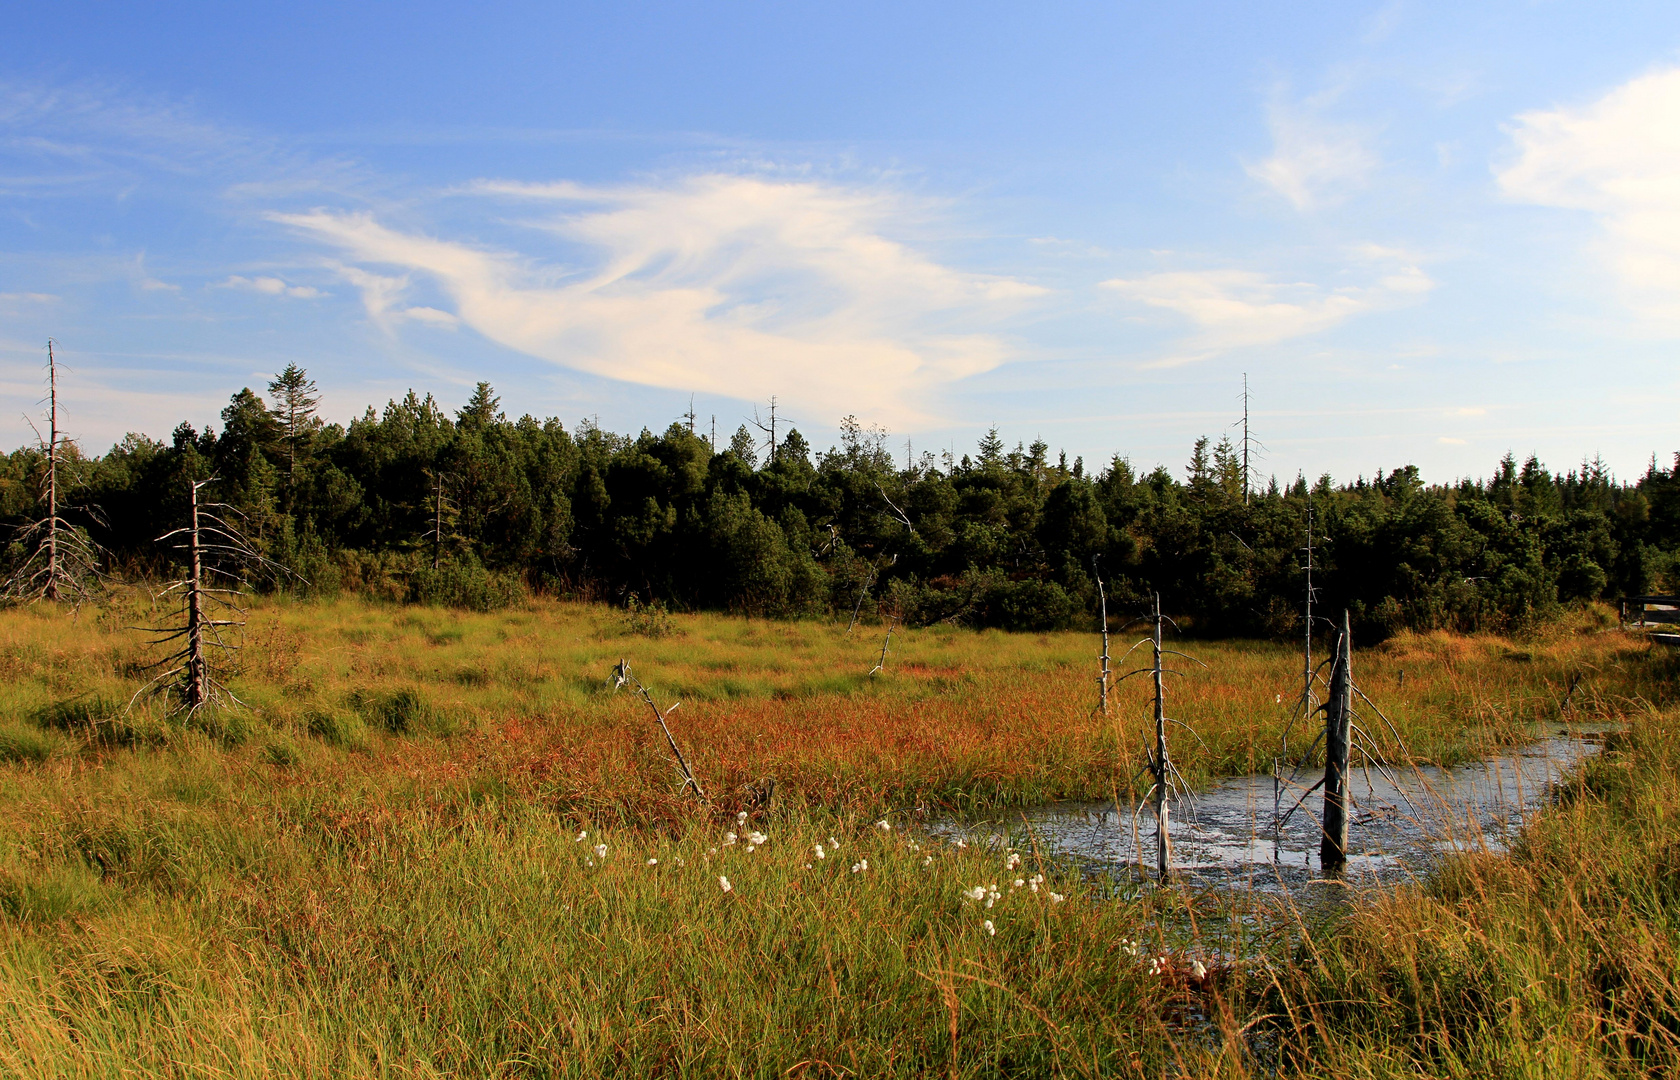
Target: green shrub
x: 464, y: 585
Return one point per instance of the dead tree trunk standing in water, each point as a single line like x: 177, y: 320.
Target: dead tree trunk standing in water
x: 1160, y: 766
x: 1338, y: 738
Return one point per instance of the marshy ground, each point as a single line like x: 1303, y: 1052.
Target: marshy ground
x: 436, y: 843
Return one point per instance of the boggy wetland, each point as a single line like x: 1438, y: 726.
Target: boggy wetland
x: 442, y: 843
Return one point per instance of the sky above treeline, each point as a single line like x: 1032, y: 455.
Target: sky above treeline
x: 1428, y: 233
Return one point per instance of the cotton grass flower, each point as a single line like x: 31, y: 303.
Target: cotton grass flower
x: 653, y: 862
x: 723, y: 883
x: 728, y: 839
x: 1012, y: 862
x: 756, y: 839
x: 741, y: 818
x: 1198, y: 971
x: 582, y: 836
x: 1056, y: 898
x: 991, y: 931
x: 928, y: 861
x: 883, y: 825
x: 820, y: 853
x: 976, y: 893
x: 860, y: 866
x: 600, y: 851
x: 1019, y: 883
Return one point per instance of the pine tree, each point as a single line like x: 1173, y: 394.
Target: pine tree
x: 295, y: 401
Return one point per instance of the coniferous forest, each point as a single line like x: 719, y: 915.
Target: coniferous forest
x: 471, y: 508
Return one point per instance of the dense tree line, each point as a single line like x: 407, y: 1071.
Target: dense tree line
x: 467, y: 508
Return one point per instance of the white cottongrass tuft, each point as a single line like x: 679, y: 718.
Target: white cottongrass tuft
x: 820, y: 853
x: 883, y: 825
x: 582, y: 836
x: 728, y: 838
x: 928, y: 861
x: 1012, y: 862
x: 991, y: 931
x: 723, y: 883
x: 653, y: 862
x: 756, y: 839
x: 1056, y: 898
x: 860, y: 866
x: 600, y: 851
x: 833, y: 843
x: 1198, y: 970
x: 976, y: 893
x: 741, y: 818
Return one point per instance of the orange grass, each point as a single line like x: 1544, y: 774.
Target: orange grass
x: 958, y: 719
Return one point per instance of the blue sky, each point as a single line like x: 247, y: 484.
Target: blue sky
x: 1427, y: 235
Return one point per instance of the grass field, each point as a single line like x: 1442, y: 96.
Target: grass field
x: 388, y: 864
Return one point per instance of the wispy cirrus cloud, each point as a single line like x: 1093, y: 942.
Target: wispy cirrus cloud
x: 1235, y: 309
x: 270, y: 286
x: 1314, y: 160
x: 728, y: 284
x: 1617, y: 158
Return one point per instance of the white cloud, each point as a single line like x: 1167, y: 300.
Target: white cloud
x: 734, y: 285
x: 271, y: 286
x: 1619, y: 159
x: 1234, y: 309
x: 1314, y: 161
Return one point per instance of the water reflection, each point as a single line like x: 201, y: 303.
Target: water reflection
x: 1402, y: 823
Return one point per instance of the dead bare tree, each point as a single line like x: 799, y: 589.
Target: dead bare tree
x: 202, y: 637
x: 61, y: 561
x: 621, y: 677
x: 1166, y: 782
x: 442, y: 507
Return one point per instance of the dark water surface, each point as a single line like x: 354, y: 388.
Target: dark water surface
x: 1224, y: 836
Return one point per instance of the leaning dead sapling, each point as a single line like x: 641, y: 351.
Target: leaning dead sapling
x: 621, y: 677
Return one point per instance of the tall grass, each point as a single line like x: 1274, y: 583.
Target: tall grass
x: 379, y: 872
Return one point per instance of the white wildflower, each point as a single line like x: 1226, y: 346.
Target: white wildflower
x: 1018, y: 883
x: 582, y: 836
x: 860, y: 866
x: 1198, y: 971
x: 741, y: 818
x: 833, y: 843
x: 1012, y: 862
x: 820, y: 853
x: 807, y: 866
x: 1056, y: 898
x: 728, y: 838
x: 756, y: 839
x: 653, y: 862
x: 589, y: 862
x: 723, y: 883
x: 976, y: 893
x: 928, y: 861
x: 961, y: 842
x: 991, y: 931
x: 883, y: 825
x: 600, y: 851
